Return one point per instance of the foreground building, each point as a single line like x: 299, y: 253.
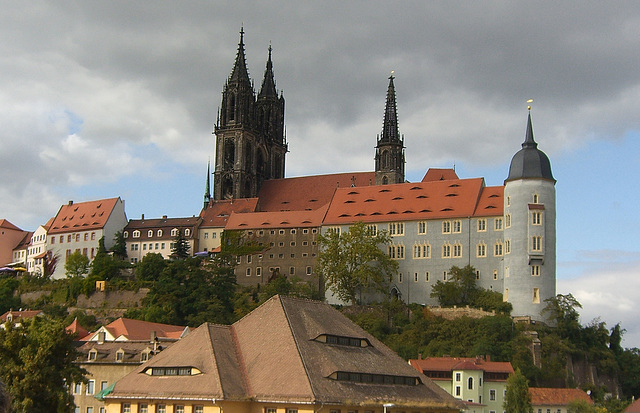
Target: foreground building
x: 551, y: 400
x: 479, y: 382
x: 289, y: 355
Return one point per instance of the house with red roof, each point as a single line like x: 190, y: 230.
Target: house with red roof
x: 16, y: 317
x: 552, y: 400
x: 78, y: 227
x: 10, y: 237
x: 479, y: 382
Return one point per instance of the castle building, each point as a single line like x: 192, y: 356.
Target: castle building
x: 506, y: 232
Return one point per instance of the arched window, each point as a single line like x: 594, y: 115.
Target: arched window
x: 150, y: 233
x: 136, y: 234
x: 470, y: 383
x: 174, y: 232
x: 187, y: 232
x: 159, y: 232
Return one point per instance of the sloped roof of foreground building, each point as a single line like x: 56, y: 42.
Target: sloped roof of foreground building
x: 287, y: 350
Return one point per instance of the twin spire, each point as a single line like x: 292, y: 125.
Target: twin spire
x: 240, y: 73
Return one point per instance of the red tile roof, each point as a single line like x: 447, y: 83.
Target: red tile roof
x: 141, y: 330
x: 461, y: 363
x: 218, y: 212
x: 307, y: 192
x: 8, y: 225
x: 414, y: 201
x: 288, y: 219
x: 437, y: 174
x: 76, y: 328
x: 17, y: 315
x: 633, y: 407
x: 83, y: 215
x: 541, y: 396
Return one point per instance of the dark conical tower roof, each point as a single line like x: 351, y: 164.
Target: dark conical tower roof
x: 390, y: 131
x: 268, y: 88
x: 240, y: 72
x: 530, y: 162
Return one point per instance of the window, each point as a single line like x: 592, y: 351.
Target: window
x: 482, y: 250
x: 507, y: 219
x: 457, y: 226
x: 426, y: 276
x: 492, y: 395
x: 179, y: 408
x: 136, y: 234
x: 507, y: 246
x: 458, y: 376
x: 400, y: 277
x: 93, y: 236
x: 495, y: 274
x: 458, y: 391
x: 396, y: 228
x: 89, y: 409
x: 446, y: 251
x: 187, y: 232
x: 505, y: 297
x: 120, y: 355
x: 77, y: 237
x: 497, y: 224
x: 536, y: 243
x: 143, y: 408
x: 200, y: 409
x: 53, y: 240
x: 482, y: 224
x: 249, y: 259
x: 457, y: 250
x: 421, y: 251
x: 497, y: 249
x: 333, y: 230
x: 103, y: 410
x: 86, y: 236
x: 535, y: 198
x: 103, y: 385
x: 446, y: 227
x: 536, y: 218
x: 249, y: 272
x: 535, y: 270
x: 396, y: 252
x: 536, y: 296
x: 77, y: 388
x: 126, y: 407
x: 415, y: 277
x: 477, y: 274
x: 470, y: 383
x: 444, y: 276
x: 372, y: 230
x: 292, y: 410
x: 309, y: 270
x: 259, y: 271
x: 206, y: 235
x: 174, y: 232
x: 292, y: 270
x: 92, y: 355
x: 162, y: 408
x: 150, y: 233
x: 422, y: 227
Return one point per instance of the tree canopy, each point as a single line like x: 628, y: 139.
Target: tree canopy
x: 180, y: 250
x: 76, y: 265
x: 352, y: 262
x: 517, y: 398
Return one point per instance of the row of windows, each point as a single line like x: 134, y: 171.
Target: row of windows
x: 74, y: 237
x: 427, y: 276
x: 535, y: 298
x: 292, y: 271
x: 85, y: 252
x: 377, y: 378
x: 159, y: 246
x: 174, y: 233
x: 90, y: 387
x: 161, y: 408
x: 293, y: 243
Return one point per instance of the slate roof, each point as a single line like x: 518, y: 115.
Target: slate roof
x: 83, y: 216
x: 106, y: 351
x: 276, y: 354
x: 307, y: 192
x: 541, y: 396
x: 164, y: 223
x: 217, y: 213
x: 530, y: 162
x: 415, y: 201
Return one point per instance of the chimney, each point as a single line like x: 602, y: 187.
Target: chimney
x: 70, y: 203
x: 153, y: 336
x: 142, y: 217
x: 164, y: 217
x: 101, y: 337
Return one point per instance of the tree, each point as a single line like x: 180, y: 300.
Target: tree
x: 459, y: 289
x: 36, y: 363
x: 76, y: 265
x: 353, y: 262
x: 150, y: 267
x: 119, y: 248
x: 5, y: 401
x: 50, y: 264
x: 580, y: 406
x: 517, y: 399
x: 104, y: 266
x: 562, y: 312
x: 180, y: 250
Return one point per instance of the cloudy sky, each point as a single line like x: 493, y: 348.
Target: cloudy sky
x: 119, y: 98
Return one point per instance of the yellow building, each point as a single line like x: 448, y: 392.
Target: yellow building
x: 287, y: 356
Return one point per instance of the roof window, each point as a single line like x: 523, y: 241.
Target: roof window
x: 343, y: 340
x: 369, y: 378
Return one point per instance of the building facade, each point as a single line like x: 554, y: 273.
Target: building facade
x: 157, y: 236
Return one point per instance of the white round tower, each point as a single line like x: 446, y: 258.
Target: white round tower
x: 530, y: 230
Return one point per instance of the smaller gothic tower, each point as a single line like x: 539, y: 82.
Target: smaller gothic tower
x: 390, y: 147
x: 207, y: 187
x: 529, y: 230
x: 250, y: 141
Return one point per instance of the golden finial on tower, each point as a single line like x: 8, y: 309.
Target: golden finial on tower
x: 529, y: 102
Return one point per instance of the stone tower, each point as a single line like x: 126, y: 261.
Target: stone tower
x: 390, y: 146
x: 250, y: 142
x: 530, y: 230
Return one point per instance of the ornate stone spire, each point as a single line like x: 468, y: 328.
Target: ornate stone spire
x: 390, y: 131
x: 268, y: 88
x: 240, y: 72
x: 207, y: 187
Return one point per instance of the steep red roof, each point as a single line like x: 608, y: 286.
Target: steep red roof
x: 461, y: 363
x: 440, y: 174
x: 307, y: 192
x: 410, y: 201
x: 490, y: 202
x: 141, y: 330
x: 633, y: 407
x: 76, y: 328
x: 218, y: 212
x: 288, y: 219
x: 8, y: 225
x: 83, y: 215
x: 25, y: 241
x: 541, y: 396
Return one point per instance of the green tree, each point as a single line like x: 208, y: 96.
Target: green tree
x: 150, y: 267
x: 104, y: 266
x: 119, y: 248
x: 517, y: 399
x: 353, y: 262
x: 8, y: 301
x: 36, y: 363
x: 76, y: 265
x: 580, y: 406
x: 562, y: 312
x: 5, y: 401
x: 180, y: 250
x: 50, y: 263
x: 459, y: 289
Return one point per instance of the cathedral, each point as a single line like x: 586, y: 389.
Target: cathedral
x: 506, y: 232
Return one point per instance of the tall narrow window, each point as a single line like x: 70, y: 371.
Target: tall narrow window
x: 536, y: 296
x: 536, y: 243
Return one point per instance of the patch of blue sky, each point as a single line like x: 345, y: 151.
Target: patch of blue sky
x: 74, y: 122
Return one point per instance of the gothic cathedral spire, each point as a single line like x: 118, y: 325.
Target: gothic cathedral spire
x: 207, y: 187
x: 390, y: 146
x: 250, y: 144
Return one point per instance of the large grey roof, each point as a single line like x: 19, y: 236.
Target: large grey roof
x: 530, y: 162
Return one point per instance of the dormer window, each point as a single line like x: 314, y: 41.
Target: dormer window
x: 150, y: 233
x: 172, y: 371
x: 125, y: 234
x: 174, y: 232
x: 343, y: 340
x: 136, y: 234
x: 187, y: 232
x: 93, y: 354
x: 120, y: 355
x: 159, y: 232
